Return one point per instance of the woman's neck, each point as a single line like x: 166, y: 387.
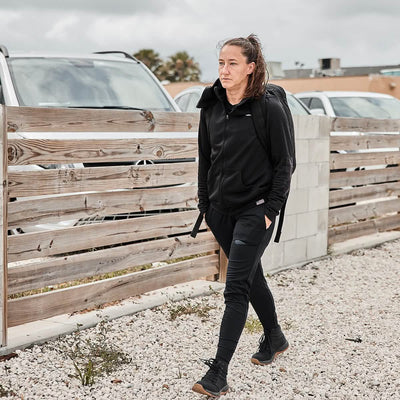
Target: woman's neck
x: 235, y: 95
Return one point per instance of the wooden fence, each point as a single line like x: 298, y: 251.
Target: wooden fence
x: 164, y: 196
x: 365, y: 178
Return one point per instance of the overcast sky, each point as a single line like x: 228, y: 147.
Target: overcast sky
x: 359, y: 32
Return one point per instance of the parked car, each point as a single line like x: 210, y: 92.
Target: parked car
x: 351, y: 104
x: 103, y: 80
x: 188, y: 99
x: 355, y: 105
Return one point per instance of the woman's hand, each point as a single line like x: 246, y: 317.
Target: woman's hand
x: 268, y: 222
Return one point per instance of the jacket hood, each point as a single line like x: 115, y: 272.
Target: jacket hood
x: 211, y: 94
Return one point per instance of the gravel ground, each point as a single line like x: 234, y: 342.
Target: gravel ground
x: 340, y: 315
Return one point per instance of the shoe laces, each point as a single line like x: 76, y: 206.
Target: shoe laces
x: 264, y: 342
x: 215, y: 371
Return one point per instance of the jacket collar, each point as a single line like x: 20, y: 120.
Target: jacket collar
x: 211, y: 94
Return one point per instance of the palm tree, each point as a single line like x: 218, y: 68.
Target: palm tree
x: 150, y: 58
x: 180, y: 67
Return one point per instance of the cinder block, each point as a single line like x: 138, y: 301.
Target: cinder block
x: 319, y: 150
x: 307, y: 175
x: 323, y: 173
x: 306, y: 127
x: 307, y: 224
x: 317, y: 245
x: 302, y: 151
x: 297, y: 201
x: 272, y: 258
x: 294, y: 251
x: 323, y: 220
x: 325, y: 126
x: 289, y: 228
x: 318, y: 198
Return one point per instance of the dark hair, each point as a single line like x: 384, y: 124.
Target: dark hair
x: 252, y: 50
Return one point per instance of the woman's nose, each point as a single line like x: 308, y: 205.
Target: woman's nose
x: 224, y: 69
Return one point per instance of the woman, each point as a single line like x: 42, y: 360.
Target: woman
x: 241, y: 188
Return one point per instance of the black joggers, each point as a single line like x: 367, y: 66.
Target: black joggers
x: 243, y: 237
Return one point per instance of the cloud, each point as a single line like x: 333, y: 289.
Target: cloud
x: 358, y: 32
x: 92, y: 6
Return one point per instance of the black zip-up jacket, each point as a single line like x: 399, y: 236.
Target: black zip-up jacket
x: 234, y: 170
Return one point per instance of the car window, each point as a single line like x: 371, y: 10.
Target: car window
x: 306, y: 101
x: 79, y: 82
x: 366, y: 107
x: 182, y: 102
x: 295, y: 105
x: 194, y: 98
x: 316, y: 102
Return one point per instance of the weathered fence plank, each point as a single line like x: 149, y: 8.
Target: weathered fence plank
x: 49, y: 271
x: 28, y: 119
x: 364, y: 159
x: 372, y: 226
x: 364, y: 142
x: 72, y: 299
x: 364, y: 177
x: 365, y: 125
x: 25, y: 183
x: 47, y: 243
x: 45, y: 151
x: 3, y: 227
x: 362, y: 211
x: 376, y: 191
x: 28, y: 212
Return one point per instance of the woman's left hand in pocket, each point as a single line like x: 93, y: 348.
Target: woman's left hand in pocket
x: 268, y: 222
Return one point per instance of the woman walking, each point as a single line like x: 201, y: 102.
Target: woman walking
x: 242, y: 187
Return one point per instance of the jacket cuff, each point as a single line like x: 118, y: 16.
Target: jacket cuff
x: 270, y: 214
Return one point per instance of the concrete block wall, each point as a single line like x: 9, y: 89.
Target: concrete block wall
x: 305, y: 228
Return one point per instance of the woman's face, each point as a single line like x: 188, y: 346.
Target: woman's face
x: 233, y: 68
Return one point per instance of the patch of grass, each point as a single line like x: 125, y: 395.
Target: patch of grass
x: 93, y: 357
x: 201, y: 309
x: 253, y: 325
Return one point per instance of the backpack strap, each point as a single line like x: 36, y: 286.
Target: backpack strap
x: 259, y: 109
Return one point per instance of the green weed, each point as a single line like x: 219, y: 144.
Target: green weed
x: 93, y: 357
x: 253, y: 325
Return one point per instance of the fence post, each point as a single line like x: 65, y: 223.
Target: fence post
x: 223, y: 265
x: 3, y: 226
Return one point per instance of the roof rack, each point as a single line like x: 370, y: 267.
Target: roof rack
x: 127, y: 55
x: 3, y: 49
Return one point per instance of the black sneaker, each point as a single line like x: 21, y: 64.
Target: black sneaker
x: 213, y: 383
x: 272, y: 343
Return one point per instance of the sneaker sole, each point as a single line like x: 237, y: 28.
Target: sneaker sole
x: 199, y: 389
x: 258, y: 362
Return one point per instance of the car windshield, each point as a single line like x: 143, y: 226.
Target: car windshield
x: 366, y: 107
x: 295, y: 106
x: 79, y: 82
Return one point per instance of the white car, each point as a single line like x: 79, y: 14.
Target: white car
x: 188, y: 99
x: 104, y: 80
x: 351, y: 104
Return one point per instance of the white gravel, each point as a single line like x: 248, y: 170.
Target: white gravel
x: 320, y: 306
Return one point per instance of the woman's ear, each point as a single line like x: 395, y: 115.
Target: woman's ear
x: 250, y: 68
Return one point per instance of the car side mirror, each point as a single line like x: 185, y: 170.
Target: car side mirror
x: 318, y: 111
